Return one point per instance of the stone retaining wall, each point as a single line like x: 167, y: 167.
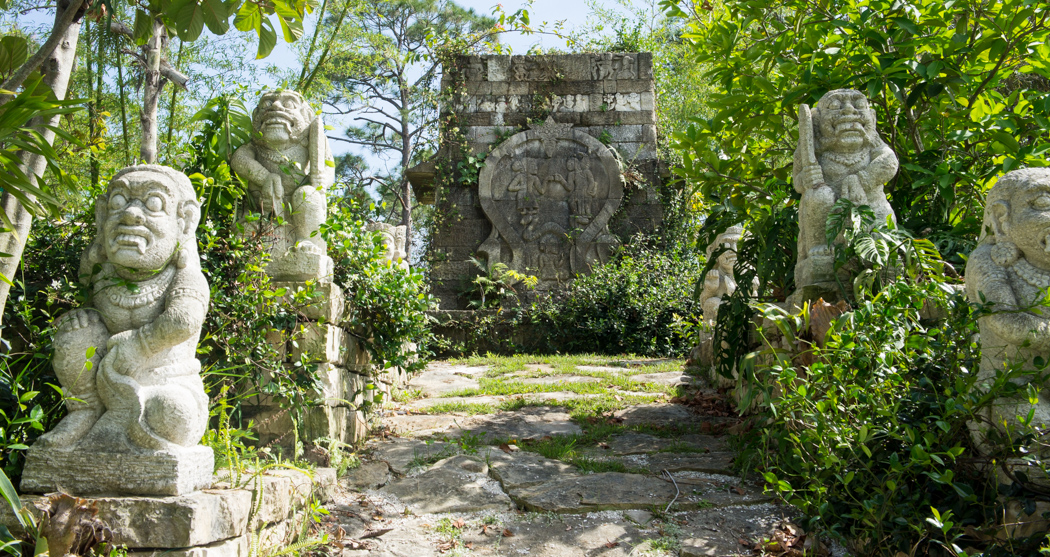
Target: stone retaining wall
x: 343, y: 366
x: 217, y: 522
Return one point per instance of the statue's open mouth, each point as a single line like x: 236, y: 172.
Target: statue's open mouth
x: 1046, y: 243
x: 137, y: 237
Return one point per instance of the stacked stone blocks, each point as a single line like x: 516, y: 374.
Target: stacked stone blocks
x: 610, y: 96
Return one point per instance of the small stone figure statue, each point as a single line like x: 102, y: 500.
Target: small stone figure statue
x: 839, y: 154
x: 394, y: 239
x: 1011, y: 269
x: 719, y: 281
x: 127, y: 359
x: 289, y: 168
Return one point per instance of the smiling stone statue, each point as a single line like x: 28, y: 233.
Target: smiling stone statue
x: 1010, y: 268
x: 127, y: 359
x: 289, y: 167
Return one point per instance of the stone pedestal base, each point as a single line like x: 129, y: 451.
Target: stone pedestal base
x: 79, y: 472
x: 299, y: 265
x: 828, y: 291
x: 221, y: 522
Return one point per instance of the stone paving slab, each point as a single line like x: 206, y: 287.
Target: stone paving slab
x: 671, y: 378
x: 594, y: 492
x: 449, y: 487
x: 659, y: 414
x: 402, y: 454
x: 640, y: 443
x: 443, y: 378
x: 369, y: 475
x: 524, y: 469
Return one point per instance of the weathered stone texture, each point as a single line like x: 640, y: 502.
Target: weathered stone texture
x: 609, y: 97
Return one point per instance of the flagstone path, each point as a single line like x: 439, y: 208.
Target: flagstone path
x: 561, y: 456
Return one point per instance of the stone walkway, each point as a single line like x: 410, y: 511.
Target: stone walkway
x: 564, y: 458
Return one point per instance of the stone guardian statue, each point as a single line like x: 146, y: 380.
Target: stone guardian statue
x: 289, y: 167
x: 1010, y: 268
x: 127, y: 359
x: 720, y: 281
x: 839, y: 154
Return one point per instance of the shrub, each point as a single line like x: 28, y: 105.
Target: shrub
x: 628, y: 306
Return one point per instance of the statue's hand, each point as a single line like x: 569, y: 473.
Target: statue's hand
x: 79, y: 319
x: 813, y: 176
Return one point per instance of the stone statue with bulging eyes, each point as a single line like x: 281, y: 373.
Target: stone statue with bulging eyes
x: 839, y: 155
x: 289, y: 167
x: 1010, y: 268
x: 127, y: 359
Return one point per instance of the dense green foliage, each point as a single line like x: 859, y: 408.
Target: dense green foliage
x: 628, y: 306
x: 960, y: 89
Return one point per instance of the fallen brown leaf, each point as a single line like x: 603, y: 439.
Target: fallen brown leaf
x: 738, y: 490
x: 484, y: 529
x: 611, y: 545
x: 458, y: 523
x: 376, y: 533
x: 469, y: 545
x: 505, y: 448
x: 507, y: 533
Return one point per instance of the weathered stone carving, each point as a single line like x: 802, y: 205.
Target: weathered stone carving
x: 394, y: 239
x: 615, y: 66
x: 839, y: 154
x: 127, y: 359
x: 549, y: 193
x: 534, y: 69
x: 1011, y: 269
x: 720, y: 281
x: 289, y: 168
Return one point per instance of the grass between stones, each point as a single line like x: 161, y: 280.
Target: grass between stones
x: 503, y: 365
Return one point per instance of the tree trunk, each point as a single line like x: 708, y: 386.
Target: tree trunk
x: 406, y: 159
x: 153, y: 83
x: 57, y: 71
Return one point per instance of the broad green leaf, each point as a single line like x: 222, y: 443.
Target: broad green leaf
x: 216, y: 16
x: 188, y: 16
x: 143, y: 27
x: 13, y: 53
x: 267, y: 39
x: 249, y: 17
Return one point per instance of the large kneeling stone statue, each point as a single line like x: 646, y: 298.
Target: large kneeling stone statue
x: 127, y: 359
x: 839, y: 155
x: 289, y: 167
x: 1011, y: 269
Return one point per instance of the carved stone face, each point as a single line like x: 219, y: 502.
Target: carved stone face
x: 727, y: 260
x: 282, y: 117
x: 845, y: 120
x: 142, y: 228
x: 1025, y: 220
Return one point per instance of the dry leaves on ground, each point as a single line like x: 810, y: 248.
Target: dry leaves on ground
x: 789, y: 540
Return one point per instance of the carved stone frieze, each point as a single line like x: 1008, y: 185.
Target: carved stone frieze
x: 615, y: 66
x: 549, y: 193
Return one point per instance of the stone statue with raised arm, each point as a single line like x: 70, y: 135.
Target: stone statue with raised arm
x: 289, y: 167
x: 127, y: 359
x: 839, y: 155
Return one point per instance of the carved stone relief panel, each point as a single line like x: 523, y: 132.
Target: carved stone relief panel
x: 549, y: 193
x: 615, y: 66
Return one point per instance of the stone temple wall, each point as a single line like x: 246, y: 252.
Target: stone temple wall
x: 529, y: 115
